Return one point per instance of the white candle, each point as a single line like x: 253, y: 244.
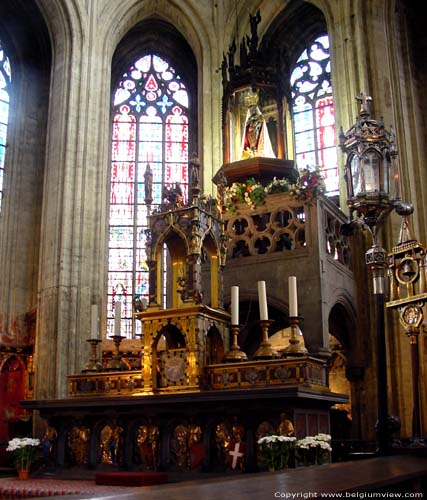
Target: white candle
x: 234, y: 305
x: 262, y: 299
x: 293, y: 299
x: 94, y: 321
x: 117, y: 317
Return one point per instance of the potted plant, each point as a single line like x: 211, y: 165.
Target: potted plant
x: 24, y: 451
x: 313, y: 450
x: 275, y: 451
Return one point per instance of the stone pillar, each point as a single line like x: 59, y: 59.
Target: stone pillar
x: 72, y: 234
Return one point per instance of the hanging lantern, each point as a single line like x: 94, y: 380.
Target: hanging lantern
x: 370, y: 172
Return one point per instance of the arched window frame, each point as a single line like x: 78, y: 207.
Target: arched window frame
x: 313, y: 118
x: 5, y: 83
x: 151, y: 101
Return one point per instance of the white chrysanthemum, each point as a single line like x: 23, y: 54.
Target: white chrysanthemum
x: 325, y: 446
x: 18, y: 443
x: 289, y: 439
x: 322, y: 437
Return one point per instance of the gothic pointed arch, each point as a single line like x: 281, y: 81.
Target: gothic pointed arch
x: 5, y: 87
x: 301, y: 50
x: 25, y: 79
x: 154, y: 126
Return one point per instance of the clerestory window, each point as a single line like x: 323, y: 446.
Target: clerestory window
x: 313, y: 112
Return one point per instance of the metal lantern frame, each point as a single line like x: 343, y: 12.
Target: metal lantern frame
x: 372, y: 181
x: 371, y: 171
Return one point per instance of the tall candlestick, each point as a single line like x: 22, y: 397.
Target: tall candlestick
x: 262, y: 299
x: 234, y: 305
x: 117, y: 317
x: 293, y: 298
x: 94, y: 321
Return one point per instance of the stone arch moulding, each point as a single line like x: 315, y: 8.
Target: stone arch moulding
x: 119, y: 19
x: 342, y: 322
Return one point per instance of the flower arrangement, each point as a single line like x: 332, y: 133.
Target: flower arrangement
x: 276, y: 450
x: 309, y: 186
x: 250, y: 192
x: 277, y: 186
x: 24, y: 451
x: 313, y: 450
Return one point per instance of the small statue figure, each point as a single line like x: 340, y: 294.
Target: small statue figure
x: 253, y: 42
x: 148, y: 184
x: 116, y: 444
x: 256, y: 140
x: 78, y: 442
x: 222, y: 442
x: 49, y: 446
x: 180, y: 446
x: 105, y: 438
x: 286, y: 427
x: 181, y: 282
x: 144, y: 447
x: 196, y: 449
x: 221, y: 185
x: 194, y: 165
x: 153, y: 441
x: 195, y: 242
x: 173, y: 197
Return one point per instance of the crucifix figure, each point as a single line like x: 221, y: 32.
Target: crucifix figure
x: 364, y: 100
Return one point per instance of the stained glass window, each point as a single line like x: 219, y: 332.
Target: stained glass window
x: 150, y: 126
x: 5, y: 78
x: 313, y: 112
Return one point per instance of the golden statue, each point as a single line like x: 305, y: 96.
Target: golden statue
x: 110, y: 444
x: 153, y: 441
x: 222, y: 441
x: 145, y: 450
x: 195, y: 447
x: 78, y: 441
x: 105, y: 437
x: 180, y: 446
x: 286, y: 427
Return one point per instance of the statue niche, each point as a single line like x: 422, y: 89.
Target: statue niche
x: 255, y: 138
x: 169, y: 358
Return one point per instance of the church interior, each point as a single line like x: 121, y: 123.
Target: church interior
x: 222, y: 234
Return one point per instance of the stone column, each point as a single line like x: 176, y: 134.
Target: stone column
x: 72, y: 235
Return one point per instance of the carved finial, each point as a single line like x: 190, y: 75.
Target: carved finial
x: 253, y: 42
x: 364, y: 106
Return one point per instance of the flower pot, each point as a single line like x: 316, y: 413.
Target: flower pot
x: 23, y: 474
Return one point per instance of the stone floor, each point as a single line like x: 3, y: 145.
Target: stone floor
x: 403, y: 473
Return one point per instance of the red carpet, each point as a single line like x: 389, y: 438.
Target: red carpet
x: 12, y: 488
